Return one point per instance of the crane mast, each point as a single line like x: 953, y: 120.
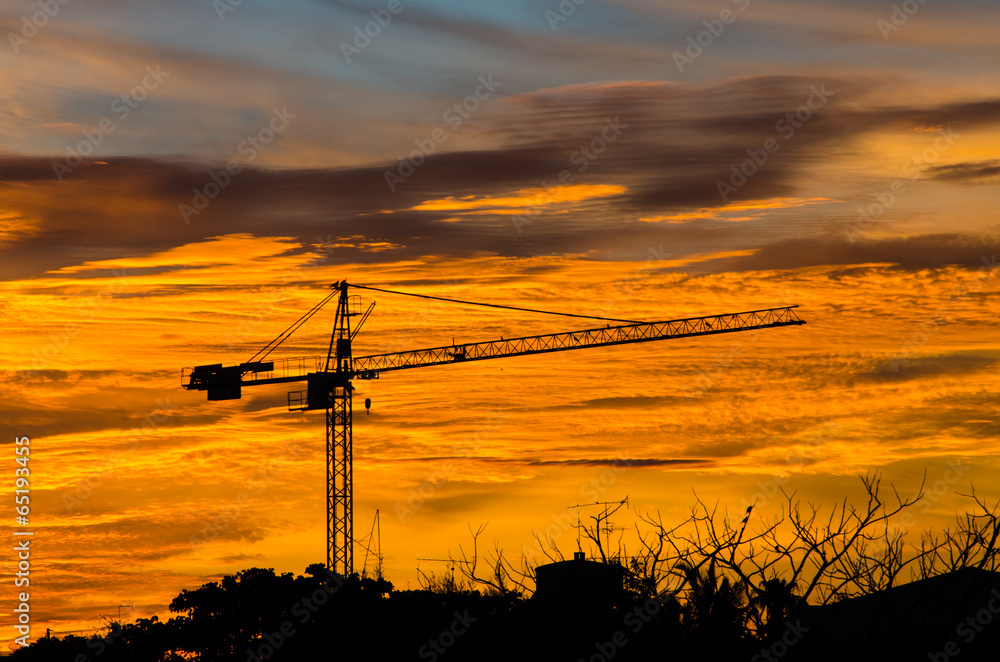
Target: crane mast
x: 328, y: 380
x: 336, y: 382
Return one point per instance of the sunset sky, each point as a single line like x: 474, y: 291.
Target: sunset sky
x: 180, y: 181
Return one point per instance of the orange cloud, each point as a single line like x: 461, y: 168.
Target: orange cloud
x: 524, y: 199
x: 358, y: 241
x: 214, y: 252
x: 722, y: 213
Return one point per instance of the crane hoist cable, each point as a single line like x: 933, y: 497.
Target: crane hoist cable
x: 284, y: 335
x: 495, y: 305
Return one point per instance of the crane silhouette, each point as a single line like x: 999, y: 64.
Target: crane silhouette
x: 328, y: 378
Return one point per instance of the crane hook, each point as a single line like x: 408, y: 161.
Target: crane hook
x: 368, y: 405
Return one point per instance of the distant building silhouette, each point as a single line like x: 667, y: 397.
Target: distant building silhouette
x: 580, y: 585
x: 958, y: 612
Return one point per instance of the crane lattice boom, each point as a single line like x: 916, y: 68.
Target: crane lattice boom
x: 297, y: 369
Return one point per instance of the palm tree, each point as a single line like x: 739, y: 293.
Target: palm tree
x: 774, y: 602
x: 716, y: 611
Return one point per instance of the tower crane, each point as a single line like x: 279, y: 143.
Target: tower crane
x: 328, y: 378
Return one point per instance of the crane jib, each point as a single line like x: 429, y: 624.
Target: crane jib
x: 607, y: 336
x: 224, y: 382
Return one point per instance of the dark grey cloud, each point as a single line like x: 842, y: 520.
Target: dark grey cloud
x: 627, y: 402
x: 910, y: 253
x: 904, y: 367
x: 81, y: 409
x: 972, y: 172
x: 680, y: 140
x: 627, y: 462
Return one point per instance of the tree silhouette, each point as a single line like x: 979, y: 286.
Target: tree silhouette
x: 773, y: 604
x: 716, y: 610
x: 708, y: 588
